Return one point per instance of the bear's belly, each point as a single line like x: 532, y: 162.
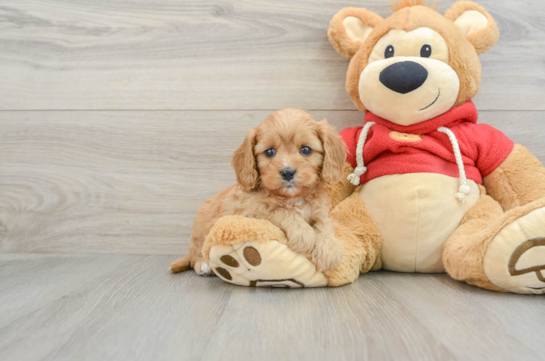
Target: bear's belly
x: 416, y: 213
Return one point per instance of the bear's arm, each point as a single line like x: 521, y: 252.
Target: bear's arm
x: 518, y: 180
x: 341, y: 190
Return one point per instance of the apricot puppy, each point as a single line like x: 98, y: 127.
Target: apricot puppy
x: 283, y: 170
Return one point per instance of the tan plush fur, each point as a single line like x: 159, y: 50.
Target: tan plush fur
x: 360, y: 238
x: 482, y: 40
x: 235, y: 229
x: 515, y: 188
x: 400, y: 4
x: 518, y: 184
x: 339, y: 191
x: 354, y: 228
x: 464, y: 252
x: 337, y: 34
x: 518, y: 181
x: 357, y: 232
x: 463, y: 54
x: 300, y: 206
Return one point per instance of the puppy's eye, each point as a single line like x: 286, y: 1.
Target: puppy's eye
x: 305, y: 150
x: 389, y: 52
x: 425, y: 51
x: 269, y: 153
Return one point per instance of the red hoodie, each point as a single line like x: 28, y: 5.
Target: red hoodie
x: 386, y: 152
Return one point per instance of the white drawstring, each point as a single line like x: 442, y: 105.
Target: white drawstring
x: 464, y: 189
x: 354, y: 178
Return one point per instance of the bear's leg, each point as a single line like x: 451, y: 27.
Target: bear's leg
x: 463, y: 252
x: 360, y: 238
x: 518, y: 180
x: 499, y: 251
x: 254, y: 252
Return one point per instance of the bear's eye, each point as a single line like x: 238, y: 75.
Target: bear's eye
x: 425, y: 51
x: 389, y: 52
x: 305, y: 150
x: 269, y: 153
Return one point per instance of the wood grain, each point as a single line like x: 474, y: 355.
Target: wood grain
x: 118, y: 120
x: 120, y: 307
x: 131, y: 182
x: 229, y: 54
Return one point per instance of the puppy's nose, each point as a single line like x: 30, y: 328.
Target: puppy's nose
x: 287, y: 174
x: 403, y: 77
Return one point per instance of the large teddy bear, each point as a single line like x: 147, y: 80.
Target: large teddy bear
x: 426, y: 188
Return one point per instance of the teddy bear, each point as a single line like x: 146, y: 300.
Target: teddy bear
x: 426, y: 188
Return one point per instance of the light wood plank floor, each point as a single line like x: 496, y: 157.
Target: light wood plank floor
x: 127, y: 307
x: 118, y: 120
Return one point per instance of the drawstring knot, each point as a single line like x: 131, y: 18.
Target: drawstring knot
x: 354, y: 178
x: 463, y: 192
x: 360, y: 169
x: 465, y: 189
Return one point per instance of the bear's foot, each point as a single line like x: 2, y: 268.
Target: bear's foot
x: 262, y: 264
x: 254, y: 253
x: 515, y: 258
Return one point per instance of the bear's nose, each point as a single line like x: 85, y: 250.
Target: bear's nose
x: 403, y: 77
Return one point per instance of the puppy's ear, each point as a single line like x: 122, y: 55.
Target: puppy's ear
x: 477, y: 25
x: 334, y: 153
x: 244, y: 162
x: 349, y: 28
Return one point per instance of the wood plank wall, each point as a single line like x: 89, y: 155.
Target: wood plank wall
x: 118, y: 119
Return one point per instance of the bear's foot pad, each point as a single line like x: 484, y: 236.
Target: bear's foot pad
x: 515, y: 259
x: 264, y: 264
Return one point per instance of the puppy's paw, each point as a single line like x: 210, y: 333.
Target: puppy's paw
x: 327, y: 254
x: 301, y: 239
x: 203, y: 269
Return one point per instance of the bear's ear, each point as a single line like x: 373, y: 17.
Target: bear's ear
x: 349, y: 28
x: 479, y: 28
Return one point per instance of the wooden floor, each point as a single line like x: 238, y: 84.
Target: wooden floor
x: 127, y: 307
x: 118, y: 119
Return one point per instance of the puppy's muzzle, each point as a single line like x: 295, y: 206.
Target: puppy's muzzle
x: 287, y: 174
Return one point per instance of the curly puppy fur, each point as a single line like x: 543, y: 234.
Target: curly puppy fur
x: 298, y: 206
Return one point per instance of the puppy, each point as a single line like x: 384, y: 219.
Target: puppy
x: 284, y: 169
